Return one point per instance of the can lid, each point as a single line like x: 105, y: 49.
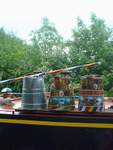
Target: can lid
x: 6, y: 90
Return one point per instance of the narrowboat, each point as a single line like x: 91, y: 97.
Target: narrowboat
x: 60, y: 119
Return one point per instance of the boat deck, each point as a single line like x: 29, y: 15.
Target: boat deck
x: 108, y: 107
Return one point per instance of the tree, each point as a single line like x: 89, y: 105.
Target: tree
x: 14, y: 56
x: 49, y: 44
x: 93, y: 44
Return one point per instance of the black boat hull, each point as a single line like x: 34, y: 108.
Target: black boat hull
x: 56, y: 131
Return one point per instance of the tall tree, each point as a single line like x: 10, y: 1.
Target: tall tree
x: 15, y: 57
x: 49, y: 44
x: 93, y: 43
x: 90, y: 42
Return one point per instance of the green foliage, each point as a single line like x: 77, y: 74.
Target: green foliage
x: 48, y: 51
x: 50, y: 45
x: 16, y: 57
x: 92, y: 44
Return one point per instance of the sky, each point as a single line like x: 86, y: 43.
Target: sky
x: 23, y: 16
